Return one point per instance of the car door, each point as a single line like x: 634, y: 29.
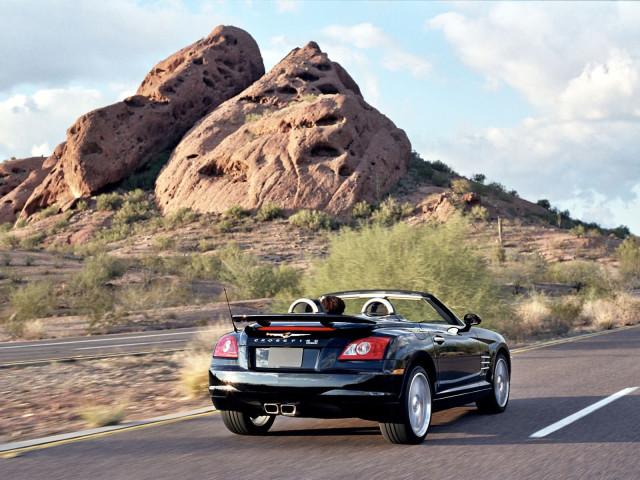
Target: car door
x: 459, y: 357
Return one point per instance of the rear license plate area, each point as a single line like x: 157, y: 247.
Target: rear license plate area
x: 279, y: 357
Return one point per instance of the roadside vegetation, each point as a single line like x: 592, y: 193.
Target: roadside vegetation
x: 487, y: 256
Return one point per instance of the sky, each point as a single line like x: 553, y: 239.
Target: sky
x: 542, y: 97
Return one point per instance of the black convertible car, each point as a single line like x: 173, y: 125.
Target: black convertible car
x: 393, y: 357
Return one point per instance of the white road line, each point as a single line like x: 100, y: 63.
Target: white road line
x: 582, y: 413
x: 126, y: 345
x: 105, y: 339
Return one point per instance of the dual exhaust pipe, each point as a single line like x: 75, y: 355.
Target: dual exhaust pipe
x: 286, y: 409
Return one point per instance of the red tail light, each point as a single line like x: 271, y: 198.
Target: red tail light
x: 371, y: 348
x: 227, y: 347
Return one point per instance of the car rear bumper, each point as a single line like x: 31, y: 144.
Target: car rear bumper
x: 322, y: 395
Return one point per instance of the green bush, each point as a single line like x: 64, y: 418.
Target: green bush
x: 461, y: 185
x: 9, y: 241
x: 32, y: 241
x: 269, y: 211
x: 628, y: 255
x: 236, y: 213
x: 163, y: 242
x: 312, y: 220
x: 34, y: 300
x: 82, y: 205
x: 5, y: 227
x: 432, y: 258
x: 109, y: 201
x: 97, y: 272
x: 49, y: 211
x: 390, y: 212
x: 580, y: 274
x: 181, y: 217
x: 362, y: 210
x: 252, y: 278
x: 479, y: 213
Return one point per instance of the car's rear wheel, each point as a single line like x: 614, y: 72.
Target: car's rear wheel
x: 242, y: 423
x: 414, y: 416
x: 497, y: 400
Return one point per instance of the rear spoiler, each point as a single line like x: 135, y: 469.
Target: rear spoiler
x: 325, y: 319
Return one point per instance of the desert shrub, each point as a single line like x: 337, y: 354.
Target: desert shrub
x: 432, y: 258
x: 612, y: 311
x: 21, y: 223
x: 236, y: 213
x: 564, y: 313
x: 253, y: 278
x: 135, y: 208
x: 49, y: 211
x: 153, y: 295
x: 361, y: 210
x: 460, y: 185
x: 32, y: 241
x: 58, y: 226
x: 163, y: 242
x: 544, y: 203
x: 578, y: 231
x: 205, y: 267
x: 82, y: 205
x: 97, y: 271
x: 9, y: 241
x: 109, y: 201
x: 269, y: 211
x: 206, y: 244
x: 390, y: 212
x: 628, y: 255
x: 5, y: 227
x: 479, y: 178
x: 223, y: 226
x: 479, y: 213
x: 312, y: 220
x: 31, y: 301
x: 182, y: 216
x: 580, y: 274
x: 440, y: 166
x: 252, y: 117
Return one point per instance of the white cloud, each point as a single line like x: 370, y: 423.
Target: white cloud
x: 366, y: 36
x: 288, y: 6
x: 61, y: 41
x: 32, y: 123
x: 581, y: 68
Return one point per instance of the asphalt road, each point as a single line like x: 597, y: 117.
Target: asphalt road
x: 548, y: 385
x: 12, y: 353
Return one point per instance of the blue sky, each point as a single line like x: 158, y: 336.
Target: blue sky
x: 543, y: 97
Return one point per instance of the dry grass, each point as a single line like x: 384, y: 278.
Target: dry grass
x: 104, y: 415
x: 608, y: 313
x: 34, y: 329
x: 194, y: 363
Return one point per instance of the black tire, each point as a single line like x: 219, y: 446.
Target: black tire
x: 496, y: 401
x: 242, y: 423
x: 414, y: 416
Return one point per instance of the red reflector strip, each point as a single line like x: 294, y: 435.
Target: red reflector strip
x: 296, y: 329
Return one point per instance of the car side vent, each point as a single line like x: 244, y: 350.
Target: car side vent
x: 485, y: 363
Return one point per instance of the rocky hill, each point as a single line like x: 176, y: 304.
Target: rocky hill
x: 301, y: 136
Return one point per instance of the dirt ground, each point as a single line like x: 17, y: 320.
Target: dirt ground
x: 46, y: 400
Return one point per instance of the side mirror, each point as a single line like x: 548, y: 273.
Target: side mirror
x: 471, y: 319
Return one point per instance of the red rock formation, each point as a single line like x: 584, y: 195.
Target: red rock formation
x: 302, y: 136
x: 107, y: 144
x: 19, y: 179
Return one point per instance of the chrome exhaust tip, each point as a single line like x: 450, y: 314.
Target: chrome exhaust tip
x: 272, y: 408
x: 289, y: 410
